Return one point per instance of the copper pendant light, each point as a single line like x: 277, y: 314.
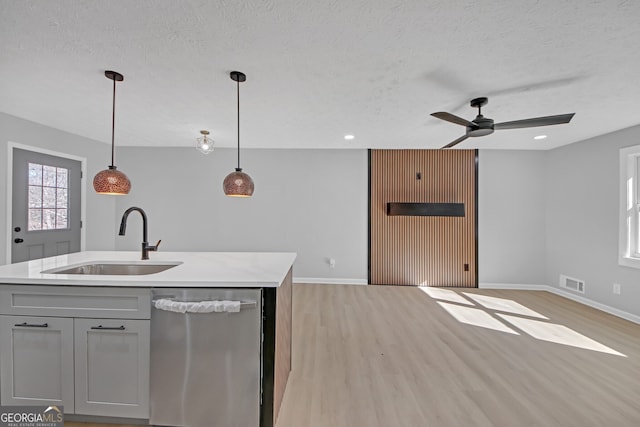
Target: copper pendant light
x: 238, y: 183
x: 111, y: 181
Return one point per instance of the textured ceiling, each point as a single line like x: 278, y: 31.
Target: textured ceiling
x: 317, y: 70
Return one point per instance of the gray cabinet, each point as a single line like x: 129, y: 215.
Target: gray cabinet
x: 36, y: 361
x: 112, y: 367
x: 82, y: 352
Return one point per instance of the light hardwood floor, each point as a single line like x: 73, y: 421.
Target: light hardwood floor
x: 377, y: 356
x: 392, y: 356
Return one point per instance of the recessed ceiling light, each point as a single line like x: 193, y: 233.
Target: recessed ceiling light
x: 349, y: 137
x: 540, y: 137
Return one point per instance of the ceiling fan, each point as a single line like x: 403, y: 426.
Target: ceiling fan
x: 481, y: 126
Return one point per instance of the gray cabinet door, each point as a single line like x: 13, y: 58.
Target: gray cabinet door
x: 36, y: 361
x: 112, y: 367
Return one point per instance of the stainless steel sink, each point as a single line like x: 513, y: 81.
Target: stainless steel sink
x: 115, y: 269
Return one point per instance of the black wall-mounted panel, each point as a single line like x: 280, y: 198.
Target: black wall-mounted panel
x: 425, y: 209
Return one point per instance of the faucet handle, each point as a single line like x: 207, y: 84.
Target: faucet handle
x: 155, y: 248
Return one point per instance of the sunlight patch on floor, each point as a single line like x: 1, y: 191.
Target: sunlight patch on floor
x: 558, y: 334
x: 501, y: 304
x: 445, y: 295
x: 475, y: 317
x: 458, y: 307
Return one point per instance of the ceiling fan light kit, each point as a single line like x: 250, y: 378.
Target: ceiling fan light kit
x: 482, y: 126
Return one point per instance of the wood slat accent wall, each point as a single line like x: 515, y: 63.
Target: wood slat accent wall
x: 422, y: 251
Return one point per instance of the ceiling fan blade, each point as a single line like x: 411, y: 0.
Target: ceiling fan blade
x: 537, y: 121
x: 453, y: 119
x: 456, y: 142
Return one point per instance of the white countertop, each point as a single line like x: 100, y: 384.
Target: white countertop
x: 196, y: 269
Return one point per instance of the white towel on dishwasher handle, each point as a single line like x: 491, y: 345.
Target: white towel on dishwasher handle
x: 232, y: 306
x: 197, y: 307
x: 170, y: 305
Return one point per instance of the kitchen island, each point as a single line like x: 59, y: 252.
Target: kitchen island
x: 57, y: 314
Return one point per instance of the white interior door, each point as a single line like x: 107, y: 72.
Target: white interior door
x: 46, y: 205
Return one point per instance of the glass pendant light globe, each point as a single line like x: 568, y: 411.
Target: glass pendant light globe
x: 204, y: 144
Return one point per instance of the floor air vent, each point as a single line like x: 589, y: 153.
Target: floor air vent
x: 571, y: 283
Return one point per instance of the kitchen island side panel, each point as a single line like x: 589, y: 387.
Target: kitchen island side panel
x: 284, y: 296
x: 276, y: 348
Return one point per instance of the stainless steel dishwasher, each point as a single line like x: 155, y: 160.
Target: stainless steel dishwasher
x: 206, y: 366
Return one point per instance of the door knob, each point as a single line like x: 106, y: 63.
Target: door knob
x: 18, y: 240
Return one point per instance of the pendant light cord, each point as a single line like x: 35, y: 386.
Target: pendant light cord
x: 113, y: 123
x: 238, y: 97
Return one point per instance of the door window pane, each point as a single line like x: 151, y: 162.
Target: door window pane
x: 61, y: 198
x: 35, y: 196
x: 35, y: 174
x: 49, y: 176
x: 62, y: 178
x: 48, y: 197
x: 637, y: 242
x: 48, y: 219
x: 61, y: 218
x: 35, y: 219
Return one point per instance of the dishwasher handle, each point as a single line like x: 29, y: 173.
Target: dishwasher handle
x: 224, y: 306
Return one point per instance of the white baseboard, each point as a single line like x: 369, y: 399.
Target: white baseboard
x: 521, y: 287
x: 330, y: 281
x: 602, y: 307
x: 565, y: 294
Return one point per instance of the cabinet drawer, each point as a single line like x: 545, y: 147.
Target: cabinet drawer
x: 67, y: 301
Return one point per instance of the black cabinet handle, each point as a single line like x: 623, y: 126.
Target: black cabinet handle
x: 18, y: 240
x: 109, y: 328
x: 32, y: 325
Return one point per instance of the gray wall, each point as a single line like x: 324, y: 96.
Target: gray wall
x: 100, y: 213
x: 582, y: 191
x: 313, y: 202
x: 511, y: 221
x: 541, y: 214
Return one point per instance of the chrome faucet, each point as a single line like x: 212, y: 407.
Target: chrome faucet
x: 145, y: 244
